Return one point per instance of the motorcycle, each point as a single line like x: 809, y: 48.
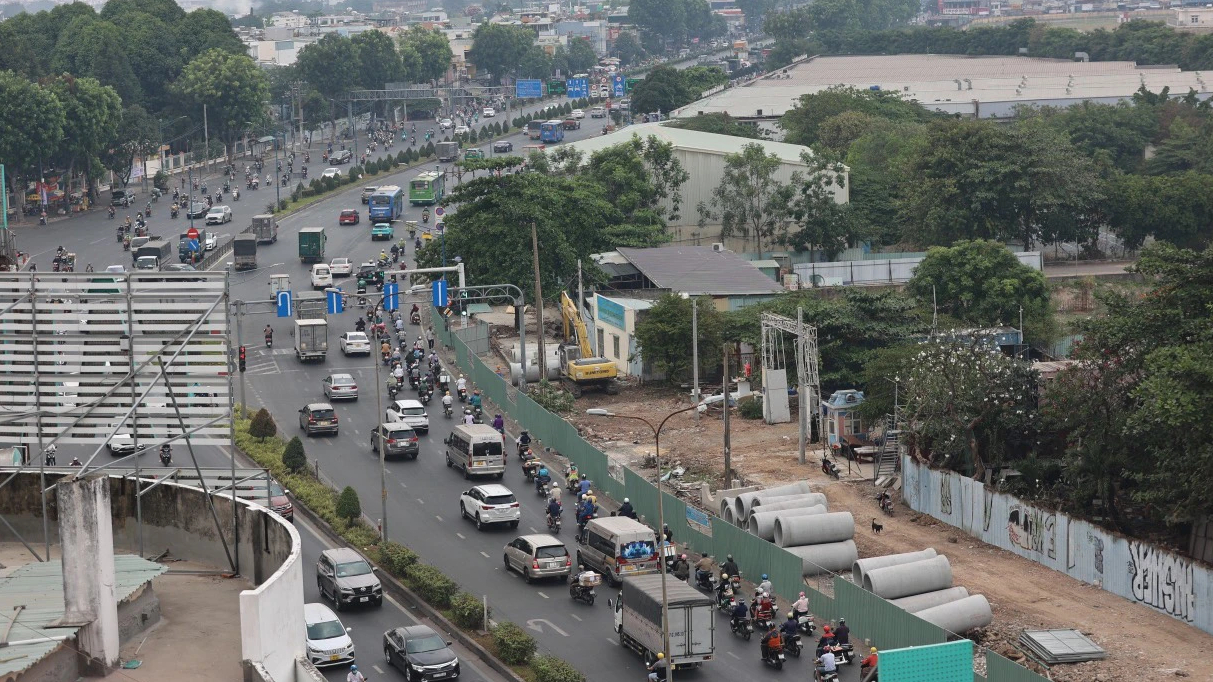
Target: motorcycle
x: 425, y: 398
x: 392, y: 389
x: 807, y: 626
x: 463, y: 395
x: 166, y: 455
x: 763, y: 621
x: 830, y: 469
x: 415, y: 318
x: 529, y: 469
x: 541, y: 485
x: 791, y: 644
x: 827, y: 677
x: 743, y: 628
x: 174, y: 212
x: 774, y: 658
x: 553, y: 524
x: 447, y: 411
x: 111, y: 213
x: 705, y: 581
x: 269, y: 340
x: 236, y: 195
x: 581, y: 592
x: 724, y: 600
x: 885, y: 501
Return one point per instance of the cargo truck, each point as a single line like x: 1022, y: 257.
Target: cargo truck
x: 311, y: 244
x: 638, y: 620
x: 153, y: 255
x: 447, y: 151
x: 311, y: 339
x: 244, y: 248
x: 310, y: 305
x: 265, y: 227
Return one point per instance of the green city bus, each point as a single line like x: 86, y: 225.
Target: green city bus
x: 427, y: 188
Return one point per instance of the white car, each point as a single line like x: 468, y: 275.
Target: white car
x: 489, y: 112
x: 321, y: 276
x: 411, y: 412
x: 341, y: 267
x: 330, y: 173
x: 462, y: 130
x: 328, y: 641
x: 490, y: 503
x: 354, y: 343
x: 116, y: 269
x: 446, y: 123
x: 598, y: 112
x: 212, y: 240
x: 218, y: 215
x: 578, y: 114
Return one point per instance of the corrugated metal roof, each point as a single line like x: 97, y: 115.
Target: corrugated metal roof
x: 39, y: 588
x: 694, y: 140
x: 632, y: 303
x: 700, y: 270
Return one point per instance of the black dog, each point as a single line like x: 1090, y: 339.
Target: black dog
x: 876, y: 527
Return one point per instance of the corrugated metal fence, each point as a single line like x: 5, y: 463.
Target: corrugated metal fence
x: 871, y: 617
x: 1136, y: 570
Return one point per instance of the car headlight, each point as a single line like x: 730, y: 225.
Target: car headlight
x: 415, y: 667
x: 346, y: 590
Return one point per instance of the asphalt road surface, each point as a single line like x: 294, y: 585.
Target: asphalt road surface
x: 422, y: 503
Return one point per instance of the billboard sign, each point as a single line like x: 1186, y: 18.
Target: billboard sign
x: 578, y: 87
x: 528, y: 89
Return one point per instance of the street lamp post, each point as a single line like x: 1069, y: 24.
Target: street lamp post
x: 665, y: 600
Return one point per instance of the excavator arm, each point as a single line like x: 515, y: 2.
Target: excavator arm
x: 573, y: 323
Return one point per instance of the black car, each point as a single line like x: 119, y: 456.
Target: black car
x: 342, y: 156
x: 116, y: 196
x: 503, y: 146
x: 371, y: 274
x: 197, y: 210
x: 420, y: 653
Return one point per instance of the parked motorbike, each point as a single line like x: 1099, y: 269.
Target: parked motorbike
x: 829, y: 468
x: 885, y: 501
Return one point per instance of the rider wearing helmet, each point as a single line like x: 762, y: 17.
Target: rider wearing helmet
x: 657, y: 671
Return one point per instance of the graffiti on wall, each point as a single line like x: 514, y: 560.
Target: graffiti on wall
x: 945, y: 495
x: 1163, y: 580
x: 1097, y: 543
x: 1032, y: 529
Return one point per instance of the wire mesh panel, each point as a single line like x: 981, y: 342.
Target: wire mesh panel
x: 88, y: 355
x: 949, y: 662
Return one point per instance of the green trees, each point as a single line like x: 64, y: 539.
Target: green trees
x: 982, y: 284
x: 432, y: 53
x: 499, y: 48
x: 581, y: 55
x: 348, y: 506
x: 626, y: 47
x: 91, y: 113
x: 535, y: 63
x: 818, y: 221
x: 803, y: 122
x: 378, y: 61
x: 21, y: 145
x: 664, y: 336
x: 666, y: 88
x: 331, y: 66
x: 231, y: 86
x: 751, y: 202
x: 262, y: 426
x: 293, y: 457
x: 667, y: 23
x: 137, y: 135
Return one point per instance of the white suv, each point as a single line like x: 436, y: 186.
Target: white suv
x: 491, y: 503
x: 328, y: 641
x: 411, y: 412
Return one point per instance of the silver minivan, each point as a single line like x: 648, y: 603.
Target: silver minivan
x: 618, y: 546
x: 477, y: 450
x: 538, y: 556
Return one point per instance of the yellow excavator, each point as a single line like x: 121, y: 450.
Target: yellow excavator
x: 579, y: 369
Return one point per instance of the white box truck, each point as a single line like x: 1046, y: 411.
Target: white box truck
x: 692, y: 620
x: 311, y: 339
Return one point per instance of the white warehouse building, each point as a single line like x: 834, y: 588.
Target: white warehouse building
x: 702, y: 155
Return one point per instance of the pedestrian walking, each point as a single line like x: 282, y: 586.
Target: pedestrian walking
x: 429, y: 337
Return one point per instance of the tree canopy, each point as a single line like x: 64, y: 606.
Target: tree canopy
x: 232, y: 87
x: 499, y: 48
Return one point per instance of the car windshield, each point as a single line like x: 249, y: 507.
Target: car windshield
x: 323, y: 414
x: 500, y: 499
x: 276, y: 490
x: 353, y: 568
x: 326, y: 630
x: 552, y: 552
x: 423, y: 644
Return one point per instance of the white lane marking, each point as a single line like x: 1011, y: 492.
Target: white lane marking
x: 543, y: 595
x: 403, y: 485
x: 733, y: 655
x: 484, y: 555
x: 575, y: 617
x: 612, y: 641
x: 460, y: 536
x: 420, y: 501
x: 532, y: 529
x: 438, y: 517
x: 376, y: 669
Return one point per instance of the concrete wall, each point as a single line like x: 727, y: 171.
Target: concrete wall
x: 177, y: 518
x: 1136, y: 570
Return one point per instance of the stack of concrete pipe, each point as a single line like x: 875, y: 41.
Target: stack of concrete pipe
x: 824, y: 542
x: 921, y: 583
x: 743, y: 502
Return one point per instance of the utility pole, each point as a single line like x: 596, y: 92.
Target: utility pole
x: 206, y: 136
x: 728, y: 447
x: 695, y: 355
x: 240, y: 342
x: 802, y: 397
x: 539, y: 304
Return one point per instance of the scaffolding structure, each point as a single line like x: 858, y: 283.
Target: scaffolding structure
x: 775, y: 402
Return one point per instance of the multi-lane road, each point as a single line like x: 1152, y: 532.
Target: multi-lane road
x: 422, y: 505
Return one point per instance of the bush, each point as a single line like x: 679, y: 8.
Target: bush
x: 293, y: 457
x: 263, y: 426
x: 750, y: 407
x: 316, y: 185
x: 282, y: 204
x: 468, y: 611
x: 551, y: 669
x: 354, y: 172
x: 397, y: 558
x: 552, y: 397
x: 160, y: 180
x: 348, y: 506
x: 514, y: 646
x: 402, y: 156
x: 432, y: 585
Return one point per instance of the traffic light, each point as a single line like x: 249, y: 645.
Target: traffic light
x: 242, y: 358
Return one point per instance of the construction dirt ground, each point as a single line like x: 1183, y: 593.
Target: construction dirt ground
x: 1142, y: 644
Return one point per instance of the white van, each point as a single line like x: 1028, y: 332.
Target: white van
x: 477, y: 449
x: 618, y: 546
x: 322, y: 276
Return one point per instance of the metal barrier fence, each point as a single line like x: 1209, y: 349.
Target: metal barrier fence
x: 869, y: 616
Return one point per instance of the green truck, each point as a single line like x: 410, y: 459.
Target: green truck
x: 311, y: 245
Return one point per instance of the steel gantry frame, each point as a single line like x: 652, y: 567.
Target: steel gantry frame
x: 55, y: 323
x: 807, y: 370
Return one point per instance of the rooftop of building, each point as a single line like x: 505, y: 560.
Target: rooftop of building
x: 700, y: 271
x: 942, y: 79
x: 694, y: 140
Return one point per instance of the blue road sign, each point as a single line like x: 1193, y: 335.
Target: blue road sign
x: 285, y: 307
x: 528, y: 89
x: 191, y: 244
x: 440, y: 293
x: 336, y: 301
x: 391, y: 295
x: 578, y: 87
x: 618, y: 85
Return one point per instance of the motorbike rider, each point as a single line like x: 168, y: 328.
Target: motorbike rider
x: 800, y: 607
x: 625, y: 509
x: 49, y: 454
x: 771, y: 641
x: 554, y: 509
x: 826, y: 663
x: 842, y: 633
x: 461, y: 385
x: 740, y: 613
x: 584, y: 485
x: 703, y: 568
x: 524, y: 441
x: 682, y: 569
x: 360, y: 325
x: 355, y: 675
x: 765, y: 585
x: 468, y: 417
x: 269, y: 335
x: 827, y: 641
x: 729, y: 566
x: 542, y: 477
x: 723, y: 589
x: 868, y: 663
x: 446, y: 401
x: 476, y: 400
x: 657, y: 671
x: 763, y: 607
x: 499, y: 423
x: 791, y: 626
